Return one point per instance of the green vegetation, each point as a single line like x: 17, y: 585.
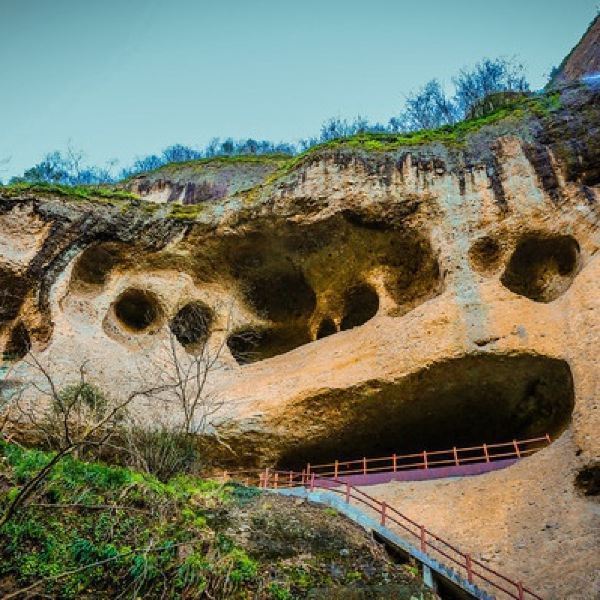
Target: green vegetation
x: 448, y: 134
x: 198, y: 163
x: 513, y: 110
x: 456, y: 135
x: 185, y: 212
x: 74, y: 192
x: 97, y: 531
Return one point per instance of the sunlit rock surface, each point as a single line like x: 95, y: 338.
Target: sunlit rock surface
x: 367, y: 299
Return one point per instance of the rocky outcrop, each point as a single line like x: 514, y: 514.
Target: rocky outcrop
x: 378, y: 294
x: 584, y: 59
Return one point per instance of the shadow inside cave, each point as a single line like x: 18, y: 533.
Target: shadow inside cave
x: 460, y: 402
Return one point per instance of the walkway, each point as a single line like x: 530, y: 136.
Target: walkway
x: 443, y: 564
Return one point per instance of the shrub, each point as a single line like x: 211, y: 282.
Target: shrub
x: 163, y: 452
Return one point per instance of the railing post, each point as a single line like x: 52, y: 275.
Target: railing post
x: 335, y: 469
x: 548, y: 438
x: 307, y: 469
x: 225, y: 475
x: 383, y: 507
x: 247, y: 481
x: 266, y: 480
x: 394, y: 459
x: 347, y: 493
x: 312, y: 482
x: 291, y: 478
x: 364, y: 466
x: 261, y: 482
x: 486, y: 453
x: 456, y: 461
x: 469, y: 567
x: 425, y: 464
x: 275, y: 480
x: 423, y: 539
x: 517, y: 450
x: 520, y: 591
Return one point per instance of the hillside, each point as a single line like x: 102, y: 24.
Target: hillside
x: 102, y: 532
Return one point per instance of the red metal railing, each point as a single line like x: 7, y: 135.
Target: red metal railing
x: 431, y: 459
x: 460, y: 562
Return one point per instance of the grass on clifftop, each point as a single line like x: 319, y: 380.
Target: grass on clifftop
x: 448, y: 134
x: 75, y: 192
x: 97, y: 531
x: 216, y: 160
x: 452, y: 135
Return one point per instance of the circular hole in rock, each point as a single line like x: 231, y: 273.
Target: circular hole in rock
x: 361, y: 303
x: 19, y: 343
x: 542, y: 268
x: 485, y: 254
x: 137, y: 309
x: 326, y: 328
x: 191, y: 325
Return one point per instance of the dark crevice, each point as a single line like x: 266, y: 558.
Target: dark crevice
x: 587, y: 480
x: 19, y: 343
x: 360, y: 305
x: 253, y: 344
x: 13, y: 289
x: 485, y: 254
x: 494, y: 172
x: 541, y: 161
x: 326, y: 328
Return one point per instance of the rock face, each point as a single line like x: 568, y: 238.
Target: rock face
x: 584, y: 59
x: 372, y: 296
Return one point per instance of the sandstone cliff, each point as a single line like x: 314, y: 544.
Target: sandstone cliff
x: 383, y: 293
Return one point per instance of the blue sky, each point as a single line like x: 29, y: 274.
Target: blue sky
x: 124, y: 78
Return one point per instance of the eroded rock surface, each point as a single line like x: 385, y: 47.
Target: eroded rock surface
x: 367, y: 300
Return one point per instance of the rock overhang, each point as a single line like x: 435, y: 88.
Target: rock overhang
x: 347, y: 266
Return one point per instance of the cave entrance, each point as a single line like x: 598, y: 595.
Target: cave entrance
x: 461, y: 402
x: 137, y: 309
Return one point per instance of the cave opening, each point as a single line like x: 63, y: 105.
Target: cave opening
x: 414, y: 272
x: 281, y: 295
x: 18, y: 344
x: 95, y: 264
x: 461, y: 402
x: 191, y: 325
x: 137, y: 309
x: 542, y: 268
x: 255, y: 343
x: 361, y: 304
x: 485, y: 254
x: 326, y: 328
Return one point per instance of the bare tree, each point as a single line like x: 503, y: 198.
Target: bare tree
x: 184, y: 366
x: 181, y: 370
x: 427, y: 108
x: 70, y: 419
x: 488, y: 76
